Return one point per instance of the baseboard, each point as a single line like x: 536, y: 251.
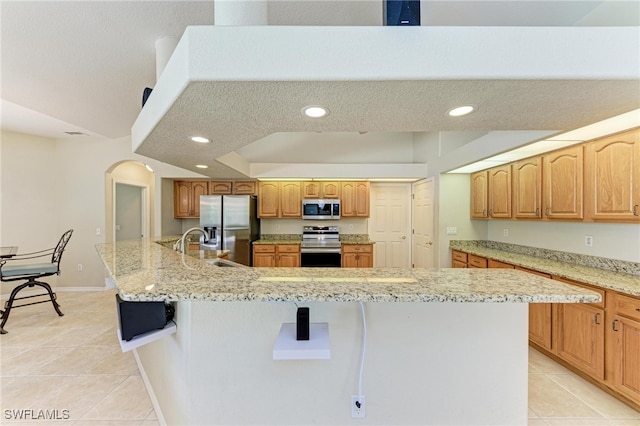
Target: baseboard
x: 147, y: 385
x: 38, y: 290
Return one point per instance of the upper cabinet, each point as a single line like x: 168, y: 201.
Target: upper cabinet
x: 527, y: 188
x: 220, y: 187
x: 244, y: 187
x: 315, y: 189
x: 355, y: 199
x: 612, y: 173
x: 186, y: 198
x: 500, y: 192
x: 563, y: 183
x: 479, y: 195
x: 279, y: 199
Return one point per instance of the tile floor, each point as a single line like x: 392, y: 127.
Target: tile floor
x: 74, y: 363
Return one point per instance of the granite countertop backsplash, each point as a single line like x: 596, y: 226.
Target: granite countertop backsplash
x: 610, y: 274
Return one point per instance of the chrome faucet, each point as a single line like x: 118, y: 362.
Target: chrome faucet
x: 179, y: 245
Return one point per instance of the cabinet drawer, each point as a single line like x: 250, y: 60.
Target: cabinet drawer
x: 627, y: 306
x: 264, y: 248
x: 457, y: 264
x: 459, y: 256
x: 498, y: 264
x: 477, y: 261
x: 357, y: 248
x: 288, y: 248
x: 531, y: 271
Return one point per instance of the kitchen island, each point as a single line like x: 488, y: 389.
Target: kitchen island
x: 443, y: 346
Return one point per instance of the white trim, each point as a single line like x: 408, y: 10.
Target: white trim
x: 147, y: 385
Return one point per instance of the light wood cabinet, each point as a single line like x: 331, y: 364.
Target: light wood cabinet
x: 357, y: 255
x: 500, y: 192
x: 626, y: 357
x: 220, y: 187
x: 354, y: 199
x: 562, y: 177
x: 244, y: 187
x: 320, y: 189
x: 279, y: 199
x: 474, y: 261
x: 612, y: 178
x: 276, y: 255
x: 497, y: 264
x: 527, y: 188
x: 479, y: 195
x: 186, y: 198
x: 540, y: 318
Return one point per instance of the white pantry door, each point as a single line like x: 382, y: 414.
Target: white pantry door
x: 390, y: 225
x: 423, y: 224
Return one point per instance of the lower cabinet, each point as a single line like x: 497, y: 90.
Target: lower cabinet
x: 276, y: 255
x: 357, y: 255
x: 624, y: 335
x: 601, y: 341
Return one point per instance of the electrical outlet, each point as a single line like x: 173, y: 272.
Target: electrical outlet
x: 357, y: 406
x: 277, y: 227
x: 505, y: 232
x: 588, y: 240
x: 98, y: 231
x: 452, y: 230
x: 80, y: 267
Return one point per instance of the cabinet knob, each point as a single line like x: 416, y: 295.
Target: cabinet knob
x: 635, y: 210
x: 596, y: 319
x: 546, y: 212
x: 613, y: 325
x: 537, y: 212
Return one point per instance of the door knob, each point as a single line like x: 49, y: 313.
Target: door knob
x: 430, y: 243
x: 404, y: 237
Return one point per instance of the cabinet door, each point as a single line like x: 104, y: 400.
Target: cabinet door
x: 580, y: 340
x: 330, y: 189
x: 540, y: 324
x: 626, y: 367
x: 264, y: 260
x: 311, y: 189
x: 268, y: 199
x: 290, y: 199
x: 527, y: 188
x: 289, y: 260
x: 198, y: 188
x: 220, y: 187
x: 479, y: 195
x: 612, y: 170
x: 500, y: 192
x: 562, y: 178
x: 244, y: 187
x: 349, y: 260
x: 365, y: 260
x: 354, y: 199
x: 182, y: 199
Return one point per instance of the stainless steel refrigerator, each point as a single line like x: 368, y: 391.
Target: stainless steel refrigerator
x: 232, y: 224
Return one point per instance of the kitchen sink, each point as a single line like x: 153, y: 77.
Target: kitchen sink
x: 226, y: 263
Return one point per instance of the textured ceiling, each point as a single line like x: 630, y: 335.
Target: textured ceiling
x: 85, y: 64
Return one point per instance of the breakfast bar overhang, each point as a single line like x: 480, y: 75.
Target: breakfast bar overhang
x: 443, y: 346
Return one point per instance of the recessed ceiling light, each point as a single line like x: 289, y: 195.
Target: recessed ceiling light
x: 200, y: 139
x: 202, y: 166
x: 315, y: 111
x: 460, y: 111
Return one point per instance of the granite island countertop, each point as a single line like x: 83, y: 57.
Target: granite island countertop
x: 598, y: 276
x: 144, y: 270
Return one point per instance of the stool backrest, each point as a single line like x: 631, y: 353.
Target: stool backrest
x: 57, y: 253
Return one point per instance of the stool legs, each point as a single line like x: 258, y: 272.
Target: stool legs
x: 12, y: 298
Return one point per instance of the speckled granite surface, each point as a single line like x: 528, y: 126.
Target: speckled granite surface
x: 145, y: 271
x: 607, y: 273
x: 297, y: 238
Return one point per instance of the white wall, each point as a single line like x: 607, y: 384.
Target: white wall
x: 49, y: 186
x: 294, y: 226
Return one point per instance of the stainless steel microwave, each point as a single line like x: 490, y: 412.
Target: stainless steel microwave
x: 321, y: 209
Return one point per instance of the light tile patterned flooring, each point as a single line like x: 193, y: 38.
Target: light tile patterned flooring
x: 74, y: 363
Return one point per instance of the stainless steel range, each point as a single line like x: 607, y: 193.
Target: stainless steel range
x: 320, y: 247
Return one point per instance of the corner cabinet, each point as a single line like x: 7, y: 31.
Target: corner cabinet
x: 355, y: 199
x: 279, y: 199
x: 357, y: 255
x: 186, y: 198
x: 612, y: 170
x: 563, y: 183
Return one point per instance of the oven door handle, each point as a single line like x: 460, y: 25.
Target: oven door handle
x: 320, y: 250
